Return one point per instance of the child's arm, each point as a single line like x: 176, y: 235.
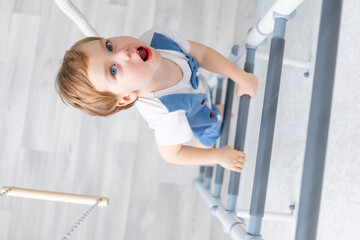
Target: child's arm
x: 186, y: 155
x: 213, y: 61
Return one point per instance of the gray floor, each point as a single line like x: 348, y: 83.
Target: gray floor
x: 46, y: 145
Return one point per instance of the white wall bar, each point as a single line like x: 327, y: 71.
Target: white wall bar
x: 232, y: 225
x: 273, y: 216
x: 265, y: 25
x: 205, y: 195
x: 286, y: 61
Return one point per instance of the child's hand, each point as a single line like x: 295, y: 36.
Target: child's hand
x: 247, y: 85
x: 231, y: 159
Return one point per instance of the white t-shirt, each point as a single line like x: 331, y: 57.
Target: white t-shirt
x: 170, y: 128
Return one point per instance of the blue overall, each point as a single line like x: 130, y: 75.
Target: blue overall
x: 205, y: 123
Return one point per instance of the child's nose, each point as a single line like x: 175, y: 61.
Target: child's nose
x: 124, y: 54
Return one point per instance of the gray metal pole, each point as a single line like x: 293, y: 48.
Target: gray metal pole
x: 208, y: 176
x: 224, y: 135
x: 267, y: 127
x: 218, y: 90
x: 219, y: 177
x: 318, y: 128
x: 201, y: 174
x: 208, y: 171
x: 243, y: 113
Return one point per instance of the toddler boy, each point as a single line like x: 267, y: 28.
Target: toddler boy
x: 158, y: 73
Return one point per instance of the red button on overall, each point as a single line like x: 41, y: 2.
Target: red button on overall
x: 212, y: 115
x: 203, y: 102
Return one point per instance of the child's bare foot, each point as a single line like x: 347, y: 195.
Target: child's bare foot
x: 231, y: 159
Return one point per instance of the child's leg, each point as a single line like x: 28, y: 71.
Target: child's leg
x: 198, y: 144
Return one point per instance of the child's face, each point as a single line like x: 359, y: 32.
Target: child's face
x: 121, y: 65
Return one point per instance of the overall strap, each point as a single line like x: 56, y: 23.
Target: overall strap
x: 160, y: 41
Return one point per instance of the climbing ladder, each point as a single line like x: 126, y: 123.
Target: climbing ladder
x: 275, y: 21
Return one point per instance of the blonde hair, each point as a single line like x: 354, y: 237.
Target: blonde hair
x: 75, y: 88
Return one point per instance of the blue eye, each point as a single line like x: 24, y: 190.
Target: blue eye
x: 113, y: 70
x: 109, y: 46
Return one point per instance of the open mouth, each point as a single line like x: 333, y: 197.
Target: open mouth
x: 144, y: 53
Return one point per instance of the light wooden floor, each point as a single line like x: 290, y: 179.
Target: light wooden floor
x: 49, y: 146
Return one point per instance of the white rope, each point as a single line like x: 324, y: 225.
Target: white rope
x: 74, y: 14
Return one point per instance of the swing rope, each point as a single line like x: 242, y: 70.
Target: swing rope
x: 3, y: 194
x: 86, y: 214
x: 70, y: 10
x: 54, y: 196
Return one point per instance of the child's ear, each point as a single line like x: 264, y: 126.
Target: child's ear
x: 127, y: 99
